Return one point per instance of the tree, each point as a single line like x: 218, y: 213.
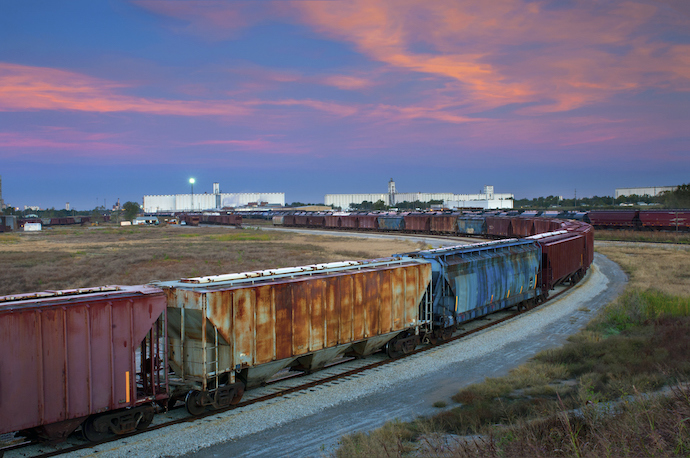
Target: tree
x: 131, y: 210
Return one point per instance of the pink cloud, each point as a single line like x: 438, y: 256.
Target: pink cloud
x: 24, y: 88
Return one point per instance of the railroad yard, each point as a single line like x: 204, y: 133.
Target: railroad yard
x: 355, y: 395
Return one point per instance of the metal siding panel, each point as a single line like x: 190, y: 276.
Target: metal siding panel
x: 358, y: 313
x: 397, y: 281
x: 122, y: 352
x: 283, y: 327
x: 243, y: 326
x: 317, y: 335
x: 300, y: 318
x: 346, y: 289
x: 78, y: 361
x: 53, y: 346
x: 265, y: 325
x: 385, y: 306
x: 412, y: 282
x: 101, y: 378
x: 332, y: 312
x: 371, y: 304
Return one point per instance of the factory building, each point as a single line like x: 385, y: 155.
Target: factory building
x: 648, y: 191
x: 214, y: 201
x: 486, y: 199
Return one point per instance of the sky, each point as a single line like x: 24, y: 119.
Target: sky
x: 101, y: 100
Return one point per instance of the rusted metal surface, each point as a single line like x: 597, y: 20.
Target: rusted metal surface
x: 417, y: 223
x: 562, y: 256
x: 444, y: 224
x: 613, y: 218
x: 301, y: 220
x: 498, y: 226
x: 522, y: 226
x: 367, y: 222
x: 542, y: 225
x: 391, y: 223
x: 332, y: 221
x: 349, y: 222
x: 66, y: 355
x: 289, y: 220
x: 665, y: 219
x: 266, y: 326
x: 315, y: 221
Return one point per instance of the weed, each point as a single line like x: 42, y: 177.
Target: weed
x: 440, y: 404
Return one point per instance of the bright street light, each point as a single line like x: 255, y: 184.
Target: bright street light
x: 191, y: 181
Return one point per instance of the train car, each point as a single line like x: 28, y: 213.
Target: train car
x: 93, y: 358
x: 614, y: 219
x: 668, y: 220
x: 301, y: 220
x: 444, y: 224
x: 522, y: 226
x: 349, y: 221
x: 564, y: 259
x: 391, y: 223
x: 471, y: 225
x: 370, y: 222
x: 417, y: 222
x: 332, y: 221
x: 289, y: 220
x: 474, y: 280
x: 316, y: 221
x: 278, y: 220
x: 499, y: 227
x: 232, y: 332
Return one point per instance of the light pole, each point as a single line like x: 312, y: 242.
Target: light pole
x: 191, y: 181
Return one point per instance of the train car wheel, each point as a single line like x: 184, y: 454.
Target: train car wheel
x: 194, y: 404
x: 93, y: 431
x: 146, y: 419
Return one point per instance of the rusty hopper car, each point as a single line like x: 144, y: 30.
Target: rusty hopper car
x: 232, y: 332
x: 92, y: 357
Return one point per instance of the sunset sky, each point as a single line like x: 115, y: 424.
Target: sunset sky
x: 102, y: 100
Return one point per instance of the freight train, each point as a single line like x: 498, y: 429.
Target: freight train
x: 101, y: 359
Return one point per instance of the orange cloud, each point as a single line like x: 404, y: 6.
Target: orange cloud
x: 24, y: 88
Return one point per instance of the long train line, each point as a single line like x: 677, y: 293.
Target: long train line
x: 281, y: 386
x: 100, y: 359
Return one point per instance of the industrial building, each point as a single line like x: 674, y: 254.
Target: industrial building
x: 648, y: 191
x: 215, y: 201
x: 486, y: 199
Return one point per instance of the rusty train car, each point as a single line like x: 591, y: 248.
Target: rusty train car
x: 102, y: 359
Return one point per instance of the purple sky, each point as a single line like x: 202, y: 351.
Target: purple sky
x: 106, y: 100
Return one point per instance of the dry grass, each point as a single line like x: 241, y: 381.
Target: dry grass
x: 585, y: 398
x: 76, y: 257
x: 643, y: 236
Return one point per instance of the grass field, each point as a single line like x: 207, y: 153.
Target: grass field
x: 585, y: 399
x: 77, y: 257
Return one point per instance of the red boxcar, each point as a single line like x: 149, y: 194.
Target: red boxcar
x: 350, y: 222
x: 665, y: 219
x: 289, y: 220
x: 619, y: 219
x: 417, y: 223
x: 94, y: 357
x: 332, y: 222
x: 316, y: 221
x: 563, y: 257
x: 522, y: 226
x: 444, y: 224
x: 497, y: 226
x: 301, y: 220
x: 368, y: 222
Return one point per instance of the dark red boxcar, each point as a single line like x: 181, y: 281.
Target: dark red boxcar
x: 67, y: 355
x: 301, y: 220
x: 542, y: 225
x: 349, y: 222
x: 665, y: 219
x: 417, y: 223
x: 613, y: 218
x: 367, y: 222
x: 332, y: 221
x: 522, y: 226
x: 562, y: 257
x: 444, y: 224
x: 289, y: 220
x: 497, y: 226
x: 316, y: 221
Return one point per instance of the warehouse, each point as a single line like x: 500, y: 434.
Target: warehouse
x: 486, y: 199
x: 648, y: 191
x: 214, y: 201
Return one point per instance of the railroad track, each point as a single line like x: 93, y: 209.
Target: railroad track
x: 284, y: 384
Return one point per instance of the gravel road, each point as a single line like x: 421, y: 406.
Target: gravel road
x: 310, y: 423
